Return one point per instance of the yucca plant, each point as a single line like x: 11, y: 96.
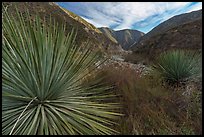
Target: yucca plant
x: 178, y: 66
x: 42, y: 82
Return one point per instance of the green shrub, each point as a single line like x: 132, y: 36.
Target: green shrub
x: 178, y: 66
x: 42, y: 82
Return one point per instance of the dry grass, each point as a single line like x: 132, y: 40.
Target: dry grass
x: 151, y: 108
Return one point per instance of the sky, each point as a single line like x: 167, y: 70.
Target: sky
x: 142, y: 16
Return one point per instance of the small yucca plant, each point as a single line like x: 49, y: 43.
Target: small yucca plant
x: 43, y: 89
x: 178, y: 66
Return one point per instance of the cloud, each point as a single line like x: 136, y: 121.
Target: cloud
x: 129, y: 15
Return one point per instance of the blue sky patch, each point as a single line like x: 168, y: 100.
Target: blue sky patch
x: 142, y: 16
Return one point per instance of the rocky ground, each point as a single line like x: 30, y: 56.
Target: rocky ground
x: 121, y: 64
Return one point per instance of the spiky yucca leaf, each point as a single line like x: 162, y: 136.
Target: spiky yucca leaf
x: 42, y: 82
x: 178, y: 66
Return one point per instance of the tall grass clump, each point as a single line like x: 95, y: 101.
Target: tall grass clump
x: 141, y: 101
x: 42, y: 82
x: 178, y: 66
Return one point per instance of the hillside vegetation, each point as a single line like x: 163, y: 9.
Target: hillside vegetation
x: 86, y: 32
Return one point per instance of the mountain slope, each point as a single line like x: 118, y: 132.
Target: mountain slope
x: 124, y: 37
x: 171, y: 23
x: 108, y: 33
x: 187, y: 36
x: 85, y: 31
x: 127, y: 37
